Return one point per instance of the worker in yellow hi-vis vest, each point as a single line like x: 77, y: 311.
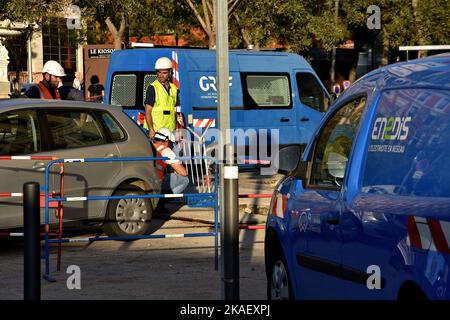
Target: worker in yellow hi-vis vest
x: 161, y: 99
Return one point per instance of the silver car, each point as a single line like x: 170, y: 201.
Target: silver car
x: 66, y: 129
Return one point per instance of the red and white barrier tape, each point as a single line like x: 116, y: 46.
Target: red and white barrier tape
x: 176, y: 71
x: 203, y: 123
x: 27, y: 158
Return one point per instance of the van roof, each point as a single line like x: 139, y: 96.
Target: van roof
x: 432, y: 71
x: 200, y: 59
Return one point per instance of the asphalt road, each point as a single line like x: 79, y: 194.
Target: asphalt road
x: 152, y: 269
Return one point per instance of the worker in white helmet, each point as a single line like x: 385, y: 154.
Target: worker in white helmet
x: 52, y: 73
x: 173, y: 174
x: 161, y: 99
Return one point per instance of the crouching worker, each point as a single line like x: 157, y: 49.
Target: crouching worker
x: 174, y: 177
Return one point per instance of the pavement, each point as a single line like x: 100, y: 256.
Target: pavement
x: 252, y: 211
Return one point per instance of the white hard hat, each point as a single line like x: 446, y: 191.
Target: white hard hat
x: 54, y: 68
x: 163, y: 63
x: 165, y: 134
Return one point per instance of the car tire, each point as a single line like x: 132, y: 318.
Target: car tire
x: 128, y: 217
x: 278, y: 284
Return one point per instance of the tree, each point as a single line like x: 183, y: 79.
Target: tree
x: 294, y: 24
x: 112, y: 14
x: 141, y: 17
x: 19, y: 10
x: 403, y: 22
x: 205, y: 12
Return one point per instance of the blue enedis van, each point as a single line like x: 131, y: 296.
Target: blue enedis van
x: 364, y: 213
x: 268, y: 90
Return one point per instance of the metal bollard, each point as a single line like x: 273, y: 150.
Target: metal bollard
x: 32, y: 258
x: 231, y: 228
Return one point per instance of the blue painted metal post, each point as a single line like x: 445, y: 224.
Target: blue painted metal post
x: 46, y: 275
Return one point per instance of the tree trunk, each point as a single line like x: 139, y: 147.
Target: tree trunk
x: 385, y: 52
x: 208, y: 19
x: 212, y: 41
x: 352, y: 74
x: 117, y: 34
x: 245, y: 35
x: 418, y: 24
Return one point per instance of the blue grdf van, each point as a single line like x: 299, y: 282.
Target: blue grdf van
x: 364, y: 213
x: 268, y: 90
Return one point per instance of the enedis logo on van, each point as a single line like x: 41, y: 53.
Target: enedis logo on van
x: 392, y: 128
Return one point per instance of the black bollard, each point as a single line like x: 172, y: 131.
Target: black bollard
x: 231, y: 228
x: 32, y: 251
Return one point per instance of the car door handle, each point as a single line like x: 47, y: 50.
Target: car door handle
x: 304, y: 119
x: 110, y: 155
x: 333, y: 221
x: 285, y: 120
x: 39, y: 166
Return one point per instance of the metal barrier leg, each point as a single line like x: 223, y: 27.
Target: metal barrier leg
x: 47, y: 275
x: 60, y: 214
x: 196, y: 168
x: 192, y: 167
x: 184, y: 144
x: 208, y: 181
x: 203, y: 187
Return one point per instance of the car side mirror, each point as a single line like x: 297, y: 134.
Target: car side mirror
x: 289, y: 162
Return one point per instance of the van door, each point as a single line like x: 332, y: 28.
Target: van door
x: 312, y: 101
x: 268, y: 113
x: 405, y: 191
x: 320, y: 203
x: 268, y: 103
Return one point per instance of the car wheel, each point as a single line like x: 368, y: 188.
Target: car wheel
x: 128, y: 217
x: 279, y: 286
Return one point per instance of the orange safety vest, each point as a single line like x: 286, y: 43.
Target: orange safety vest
x: 45, y: 93
x: 160, y: 164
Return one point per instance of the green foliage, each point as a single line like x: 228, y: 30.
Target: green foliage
x: 295, y: 24
x: 435, y: 17
x: 399, y: 24
x: 32, y: 11
x: 292, y: 23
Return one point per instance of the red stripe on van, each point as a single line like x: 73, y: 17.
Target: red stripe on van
x: 413, y: 233
x: 438, y: 236
x: 274, y: 205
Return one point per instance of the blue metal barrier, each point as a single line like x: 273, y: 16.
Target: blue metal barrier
x: 212, y: 196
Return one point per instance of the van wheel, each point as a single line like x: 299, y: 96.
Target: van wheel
x: 278, y: 285
x: 128, y: 217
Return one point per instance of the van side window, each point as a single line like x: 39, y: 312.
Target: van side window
x: 73, y: 129
x: 333, y: 145
x: 19, y: 133
x: 148, y: 79
x: 409, y: 144
x: 311, y: 92
x: 266, y: 91
x: 123, y: 90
